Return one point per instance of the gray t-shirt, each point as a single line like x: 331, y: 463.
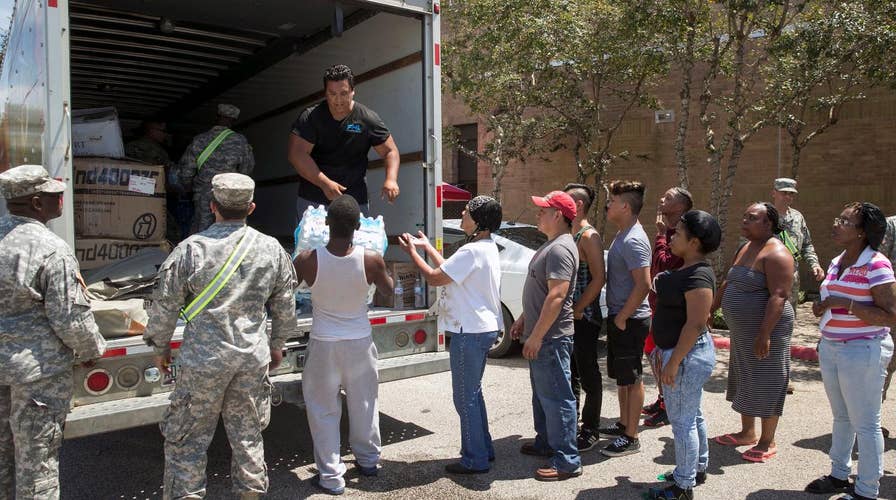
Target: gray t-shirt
x: 630, y: 250
x: 557, y: 259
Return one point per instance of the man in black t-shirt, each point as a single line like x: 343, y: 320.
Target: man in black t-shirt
x: 329, y: 143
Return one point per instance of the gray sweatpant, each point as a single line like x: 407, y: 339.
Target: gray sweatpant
x: 350, y: 364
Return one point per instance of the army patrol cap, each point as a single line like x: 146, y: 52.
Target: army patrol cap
x: 233, y: 190
x: 229, y: 110
x: 27, y: 180
x: 785, y: 184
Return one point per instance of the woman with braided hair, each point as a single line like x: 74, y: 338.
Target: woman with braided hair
x: 471, y: 315
x: 858, y: 302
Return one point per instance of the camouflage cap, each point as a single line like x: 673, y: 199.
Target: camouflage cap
x: 27, y: 180
x: 785, y: 184
x: 229, y: 110
x: 233, y: 190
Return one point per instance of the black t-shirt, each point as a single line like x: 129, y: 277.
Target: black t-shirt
x: 340, y: 147
x: 671, y: 311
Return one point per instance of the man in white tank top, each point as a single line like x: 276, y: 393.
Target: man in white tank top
x: 341, y: 352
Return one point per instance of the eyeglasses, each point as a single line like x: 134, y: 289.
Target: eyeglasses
x: 840, y: 221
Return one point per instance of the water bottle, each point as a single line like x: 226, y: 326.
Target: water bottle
x: 419, y: 299
x: 399, y: 296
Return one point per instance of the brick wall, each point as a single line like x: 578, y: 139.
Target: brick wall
x: 852, y: 161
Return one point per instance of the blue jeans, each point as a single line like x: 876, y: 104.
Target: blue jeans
x: 853, y: 373
x: 683, y: 408
x: 468, y: 355
x: 554, y: 405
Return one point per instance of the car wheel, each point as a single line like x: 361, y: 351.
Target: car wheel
x: 503, y: 344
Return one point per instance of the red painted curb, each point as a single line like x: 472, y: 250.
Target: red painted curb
x: 796, y: 351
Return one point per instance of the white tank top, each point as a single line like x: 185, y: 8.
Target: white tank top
x: 339, y: 297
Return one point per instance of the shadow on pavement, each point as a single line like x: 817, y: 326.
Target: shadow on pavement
x: 288, y: 446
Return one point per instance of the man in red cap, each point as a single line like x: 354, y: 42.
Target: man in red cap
x: 546, y: 327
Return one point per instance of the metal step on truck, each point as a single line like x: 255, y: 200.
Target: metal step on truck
x: 178, y: 60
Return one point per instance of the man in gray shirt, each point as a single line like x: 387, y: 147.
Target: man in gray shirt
x: 546, y: 327
x: 628, y: 318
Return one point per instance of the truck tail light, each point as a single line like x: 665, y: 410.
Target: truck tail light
x: 402, y: 339
x: 127, y: 377
x: 98, y: 382
x: 419, y: 337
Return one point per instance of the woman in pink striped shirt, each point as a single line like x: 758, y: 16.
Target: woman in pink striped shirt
x: 857, y: 301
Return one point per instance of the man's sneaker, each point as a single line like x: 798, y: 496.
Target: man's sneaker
x: 586, y: 440
x: 622, y: 446
x: 669, y: 476
x: 672, y: 492
x: 616, y: 429
x: 658, y: 419
x: 653, y: 407
x: 315, y: 481
x: 372, y: 471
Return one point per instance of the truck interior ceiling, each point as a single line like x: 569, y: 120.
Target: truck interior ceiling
x: 177, y: 60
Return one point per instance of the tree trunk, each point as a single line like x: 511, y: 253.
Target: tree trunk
x: 681, y: 157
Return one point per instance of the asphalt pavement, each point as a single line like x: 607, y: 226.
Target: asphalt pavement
x: 420, y: 436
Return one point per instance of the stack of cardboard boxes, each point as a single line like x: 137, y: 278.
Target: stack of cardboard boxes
x: 119, y: 209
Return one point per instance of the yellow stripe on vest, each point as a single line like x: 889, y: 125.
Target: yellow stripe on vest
x: 207, y: 152
x: 211, y: 290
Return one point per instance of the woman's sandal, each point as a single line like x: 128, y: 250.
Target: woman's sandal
x: 760, y: 456
x: 730, y: 440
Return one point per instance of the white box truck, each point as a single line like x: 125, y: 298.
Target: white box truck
x: 178, y: 60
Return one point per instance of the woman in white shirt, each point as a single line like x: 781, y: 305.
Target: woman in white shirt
x: 471, y: 314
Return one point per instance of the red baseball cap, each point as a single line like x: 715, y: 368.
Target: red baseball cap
x: 559, y: 200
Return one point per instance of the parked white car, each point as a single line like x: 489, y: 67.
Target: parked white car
x: 517, y: 244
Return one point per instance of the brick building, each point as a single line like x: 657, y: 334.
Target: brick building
x: 853, y: 160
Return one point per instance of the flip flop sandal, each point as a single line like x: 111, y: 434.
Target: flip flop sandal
x: 759, y: 456
x: 730, y: 440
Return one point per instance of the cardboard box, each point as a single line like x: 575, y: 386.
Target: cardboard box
x: 98, y: 252
x: 119, y: 199
x: 405, y: 273
x: 96, y: 132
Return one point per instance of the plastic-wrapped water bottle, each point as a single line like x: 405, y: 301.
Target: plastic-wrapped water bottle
x: 419, y: 299
x: 399, y: 296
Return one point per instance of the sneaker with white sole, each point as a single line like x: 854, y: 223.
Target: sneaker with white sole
x: 622, y: 446
x: 586, y: 439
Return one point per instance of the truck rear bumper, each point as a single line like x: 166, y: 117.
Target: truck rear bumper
x: 135, y: 412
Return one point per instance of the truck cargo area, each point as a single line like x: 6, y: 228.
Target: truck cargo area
x: 177, y: 60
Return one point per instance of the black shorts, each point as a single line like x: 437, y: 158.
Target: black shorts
x: 625, y: 349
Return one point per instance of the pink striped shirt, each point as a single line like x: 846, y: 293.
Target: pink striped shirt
x: 870, y: 270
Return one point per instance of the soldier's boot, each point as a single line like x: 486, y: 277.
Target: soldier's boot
x: 250, y: 495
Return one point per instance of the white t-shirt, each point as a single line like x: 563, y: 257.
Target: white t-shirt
x: 472, y: 302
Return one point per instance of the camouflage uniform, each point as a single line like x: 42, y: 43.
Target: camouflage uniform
x: 233, y: 155
x: 45, y: 326
x: 224, y: 356
x: 147, y: 150
x: 150, y: 151
x: 888, y: 248
x: 795, y: 225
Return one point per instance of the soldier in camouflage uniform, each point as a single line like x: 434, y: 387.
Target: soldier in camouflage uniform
x: 888, y: 248
x: 232, y: 154
x: 800, y: 241
x: 225, y: 355
x: 148, y: 148
x: 45, y: 326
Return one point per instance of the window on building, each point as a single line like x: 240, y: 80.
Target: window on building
x: 465, y: 164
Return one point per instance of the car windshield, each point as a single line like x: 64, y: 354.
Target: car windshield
x: 529, y: 237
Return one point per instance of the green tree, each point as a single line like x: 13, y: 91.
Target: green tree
x: 570, y: 66
x: 836, y: 52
